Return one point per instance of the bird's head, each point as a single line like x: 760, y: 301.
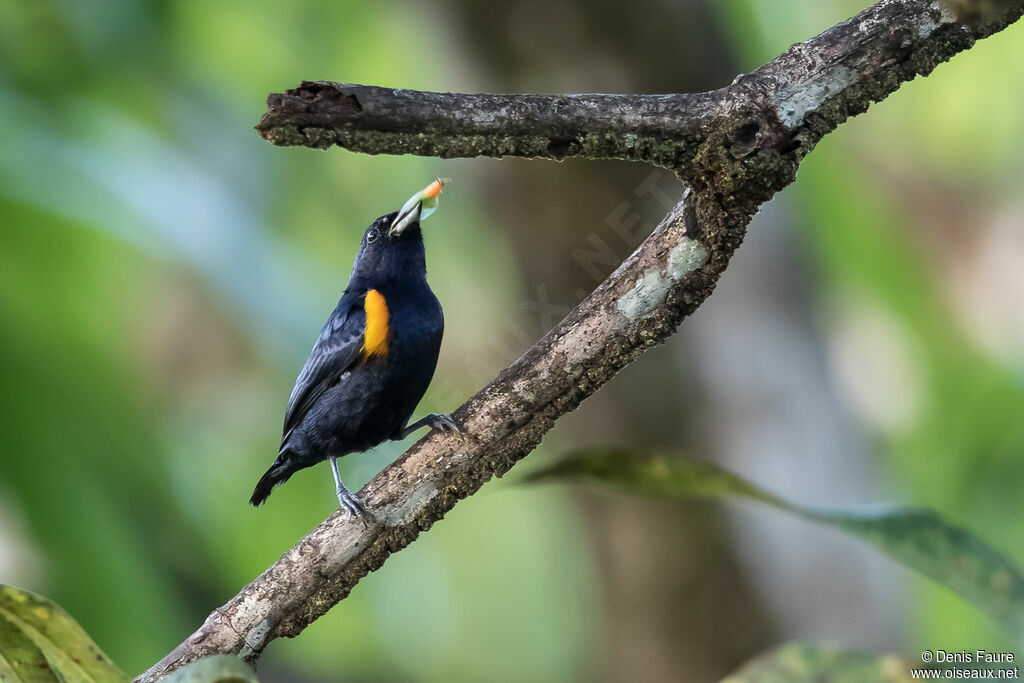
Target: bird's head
x: 394, y: 243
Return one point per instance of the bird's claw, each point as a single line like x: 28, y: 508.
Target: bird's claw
x: 348, y: 502
x: 443, y: 422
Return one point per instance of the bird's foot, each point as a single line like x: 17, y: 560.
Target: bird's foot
x: 442, y: 422
x: 350, y: 503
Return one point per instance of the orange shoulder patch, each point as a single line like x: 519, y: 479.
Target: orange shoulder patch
x: 375, y: 335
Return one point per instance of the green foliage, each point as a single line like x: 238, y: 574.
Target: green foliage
x: 40, y: 642
x: 805, y: 663
x: 918, y: 538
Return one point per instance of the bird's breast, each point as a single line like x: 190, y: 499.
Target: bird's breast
x: 377, y: 331
x: 401, y: 323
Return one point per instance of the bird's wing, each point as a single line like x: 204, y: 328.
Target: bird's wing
x: 334, y: 352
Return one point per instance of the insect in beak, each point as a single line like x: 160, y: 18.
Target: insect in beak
x: 419, y: 206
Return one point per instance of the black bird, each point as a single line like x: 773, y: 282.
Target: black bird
x: 374, y: 358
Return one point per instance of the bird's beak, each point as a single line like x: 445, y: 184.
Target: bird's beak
x: 419, y: 206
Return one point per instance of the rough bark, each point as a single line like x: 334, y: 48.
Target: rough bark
x: 734, y: 147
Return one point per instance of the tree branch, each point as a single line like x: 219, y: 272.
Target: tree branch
x: 374, y: 120
x: 847, y: 67
x: 735, y: 147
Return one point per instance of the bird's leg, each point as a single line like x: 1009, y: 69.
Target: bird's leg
x: 346, y: 498
x: 442, y: 421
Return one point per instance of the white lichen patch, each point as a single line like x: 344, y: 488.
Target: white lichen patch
x: 255, y: 639
x: 652, y: 287
x: 800, y: 99
x: 648, y: 292
x: 523, y: 388
x: 686, y: 257
x: 404, y: 511
x: 947, y: 16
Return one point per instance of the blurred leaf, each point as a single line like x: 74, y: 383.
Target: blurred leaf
x: 20, y: 659
x: 215, y: 669
x: 803, y: 662
x: 653, y: 475
x: 918, y: 538
x: 39, y: 641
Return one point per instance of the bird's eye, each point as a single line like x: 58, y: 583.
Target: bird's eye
x: 372, y: 235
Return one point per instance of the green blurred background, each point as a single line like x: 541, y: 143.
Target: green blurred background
x: 163, y: 272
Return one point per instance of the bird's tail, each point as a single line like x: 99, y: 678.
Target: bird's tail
x: 279, y: 472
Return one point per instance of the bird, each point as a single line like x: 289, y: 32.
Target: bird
x: 374, y: 358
